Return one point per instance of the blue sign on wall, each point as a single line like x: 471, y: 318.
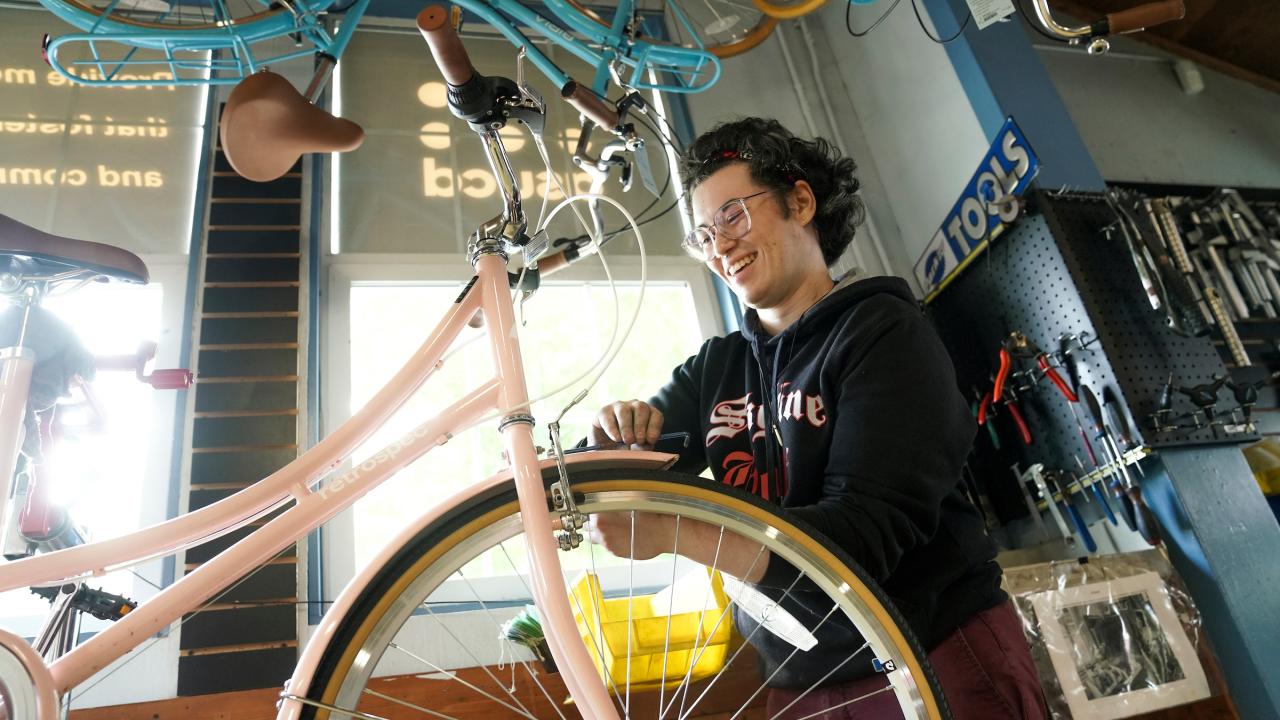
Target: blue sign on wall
x: 983, y: 211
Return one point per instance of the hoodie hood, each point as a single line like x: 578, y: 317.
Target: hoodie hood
x: 848, y: 291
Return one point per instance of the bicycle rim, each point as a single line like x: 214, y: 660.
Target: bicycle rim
x: 174, y: 15
x: 405, y: 615
x: 788, y: 9
x: 722, y: 27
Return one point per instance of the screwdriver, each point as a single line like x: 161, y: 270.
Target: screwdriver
x: 1056, y: 480
x: 1136, y: 510
x: 1097, y: 491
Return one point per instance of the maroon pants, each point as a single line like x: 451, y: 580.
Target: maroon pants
x: 984, y: 667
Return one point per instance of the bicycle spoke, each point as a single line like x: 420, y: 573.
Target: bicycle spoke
x: 666, y: 641
x: 696, y: 653
x: 533, y: 675
x: 490, y: 615
x: 821, y: 680
x: 470, y: 654
x: 472, y: 686
x: 851, y: 701
x: 778, y: 669
x: 405, y: 703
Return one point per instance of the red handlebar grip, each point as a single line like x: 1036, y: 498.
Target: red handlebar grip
x: 1146, y: 16
x: 446, y: 47
x: 590, y: 104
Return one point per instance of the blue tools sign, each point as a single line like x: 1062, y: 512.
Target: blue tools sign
x: 987, y: 205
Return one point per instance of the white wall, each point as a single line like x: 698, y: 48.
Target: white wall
x: 899, y: 110
x: 1140, y: 126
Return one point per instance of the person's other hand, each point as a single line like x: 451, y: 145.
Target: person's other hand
x: 633, y: 422
x: 653, y: 533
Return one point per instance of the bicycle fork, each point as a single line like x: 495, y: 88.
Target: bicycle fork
x: 547, y: 578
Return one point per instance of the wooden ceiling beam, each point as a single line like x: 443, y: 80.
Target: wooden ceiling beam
x: 1083, y: 11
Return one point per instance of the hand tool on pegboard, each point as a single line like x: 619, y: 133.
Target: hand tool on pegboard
x: 1098, y: 495
x: 1032, y: 510
x: 1136, y: 512
x: 1167, y: 289
x: 1059, y: 481
x: 1037, y: 474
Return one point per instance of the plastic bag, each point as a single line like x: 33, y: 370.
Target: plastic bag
x: 1113, y: 636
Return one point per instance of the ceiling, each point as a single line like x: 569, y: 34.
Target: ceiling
x: 1236, y: 37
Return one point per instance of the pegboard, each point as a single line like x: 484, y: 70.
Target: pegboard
x: 1055, y: 272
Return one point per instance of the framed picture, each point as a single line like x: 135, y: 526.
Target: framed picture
x: 1118, y: 648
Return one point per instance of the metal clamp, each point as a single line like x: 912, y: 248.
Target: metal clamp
x: 571, y: 519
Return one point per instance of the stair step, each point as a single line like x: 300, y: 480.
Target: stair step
x: 245, y: 413
x: 286, y: 560
x: 254, y: 241
x: 275, y: 430
x: 220, y: 165
x: 256, y: 200
x: 254, y: 284
x: 264, y: 395
x: 263, y: 623
x: 250, y: 314
x: 253, y: 269
x: 249, y: 605
x: 248, y: 330
x: 256, y: 228
x: 226, y: 360
x: 210, y: 469
x: 250, y: 346
x: 251, y: 255
x: 242, y: 448
x: 225, y: 214
x: 245, y: 647
x: 252, y: 299
x: 246, y: 379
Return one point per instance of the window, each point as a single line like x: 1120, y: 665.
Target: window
x: 115, y: 478
x: 382, y: 315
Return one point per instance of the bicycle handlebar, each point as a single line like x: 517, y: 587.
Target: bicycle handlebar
x: 446, y: 47
x: 1145, y: 16
x: 590, y: 104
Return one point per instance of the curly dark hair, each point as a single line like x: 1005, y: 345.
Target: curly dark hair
x: 777, y: 159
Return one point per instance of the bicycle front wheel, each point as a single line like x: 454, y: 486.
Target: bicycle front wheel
x: 423, y: 639
x: 723, y: 28
x: 165, y: 15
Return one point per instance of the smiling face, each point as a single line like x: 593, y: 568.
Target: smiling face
x: 777, y: 266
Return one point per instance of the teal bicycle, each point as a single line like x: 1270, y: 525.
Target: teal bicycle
x: 201, y: 42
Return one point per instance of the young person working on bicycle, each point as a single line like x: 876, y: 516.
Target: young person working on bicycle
x: 838, y: 401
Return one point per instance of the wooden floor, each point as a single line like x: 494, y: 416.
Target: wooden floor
x: 458, y: 701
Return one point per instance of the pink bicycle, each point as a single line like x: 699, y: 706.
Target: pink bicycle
x: 407, y: 623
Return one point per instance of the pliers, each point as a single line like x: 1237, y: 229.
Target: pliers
x: 1019, y: 345
x: 985, y: 407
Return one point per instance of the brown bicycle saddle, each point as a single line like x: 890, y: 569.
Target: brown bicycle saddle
x: 267, y: 125
x: 26, y: 250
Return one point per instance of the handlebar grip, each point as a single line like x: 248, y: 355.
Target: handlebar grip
x: 447, y: 49
x: 590, y: 104
x: 1145, y: 16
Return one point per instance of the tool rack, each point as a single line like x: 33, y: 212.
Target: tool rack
x: 1055, y: 275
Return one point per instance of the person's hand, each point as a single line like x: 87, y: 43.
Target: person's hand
x: 653, y: 533
x: 633, y: 422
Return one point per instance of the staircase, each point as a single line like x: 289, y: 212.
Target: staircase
x: 246, y: 420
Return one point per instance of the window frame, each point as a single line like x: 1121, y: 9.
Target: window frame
x: 349, y: 270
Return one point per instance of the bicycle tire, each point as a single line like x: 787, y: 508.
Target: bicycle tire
x: 406, y: 582
x: 137, y: 18
x: 788, y: 9
x: 751, y: 38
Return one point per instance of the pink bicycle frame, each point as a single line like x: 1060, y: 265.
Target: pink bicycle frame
x: 506, y: 392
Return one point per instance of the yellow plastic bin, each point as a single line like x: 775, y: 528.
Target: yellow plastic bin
x: 699, y: 630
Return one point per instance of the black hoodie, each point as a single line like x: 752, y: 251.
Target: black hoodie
x: 863, y: 439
